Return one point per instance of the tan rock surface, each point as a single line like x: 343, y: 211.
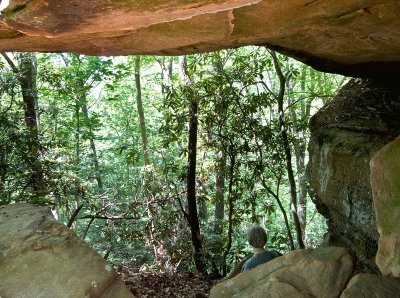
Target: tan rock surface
x: 385, y: 182
x: 322, y: 272
x: 345, y: 135
x: 40, y: 257
x: 372, y: 286
x: 348, y: 36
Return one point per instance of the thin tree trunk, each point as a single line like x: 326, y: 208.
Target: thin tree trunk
x: 191, y: 187
x: 191, y: 175
x: 3, y: 160
x: 166, y: 75
x: 220, y: 170
x: 253, y: 203
x: 81, y: 105
x: 203, y: 210
x: 300, y: 151
x: 3, y: 167
x: 302, y: 182
x: 285, y: 217
x: 78, y: 103
x: 74, y: 215
x: 147, y: 173
x: 232, y: 159
x: 220, y: 193
x: 276, y: 197
x: 140, y: 111
x: 78, y: 189
x: 286, y: 145
x: 94, y: 150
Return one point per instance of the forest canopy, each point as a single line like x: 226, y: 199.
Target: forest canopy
x: 163, y: 162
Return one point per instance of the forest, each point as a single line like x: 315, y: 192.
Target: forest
x: 162, y: 163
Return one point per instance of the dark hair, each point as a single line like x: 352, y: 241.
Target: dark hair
x: 257, y: 236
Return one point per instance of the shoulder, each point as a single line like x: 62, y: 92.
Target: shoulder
x: 248, y: 264
x: 275, y: 253
x: 269, y: 255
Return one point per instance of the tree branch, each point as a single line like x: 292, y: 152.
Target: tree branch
x: 14, y: 68
x: 110, y: 217
x: 74, y: 215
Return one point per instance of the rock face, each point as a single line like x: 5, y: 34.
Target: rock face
x: 385, y: 182
x: 345, y: 134
x: 322, y: 272
x: 353, y: 37
x: 372, y: 286
x: 40, y: 257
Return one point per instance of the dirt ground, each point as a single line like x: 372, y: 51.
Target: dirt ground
x: 162, y: 285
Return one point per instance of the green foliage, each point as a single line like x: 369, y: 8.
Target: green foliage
x: 92, y: 151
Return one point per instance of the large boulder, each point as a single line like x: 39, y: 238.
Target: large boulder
x: 40, y: 257
x: 385, y: 182
x: 372, y: 286
x: 353, y: 37
x: 345, y: 134
x: 323, y: 272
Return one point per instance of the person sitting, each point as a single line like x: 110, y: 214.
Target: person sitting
x: 257, y: 238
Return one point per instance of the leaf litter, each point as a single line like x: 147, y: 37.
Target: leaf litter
x: 164, y: 284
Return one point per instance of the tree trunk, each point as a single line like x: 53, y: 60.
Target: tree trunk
x: 94, y: 150
x: 275, y: 195
x: 26, y: 73
x: 220, y: 192
x: 232, y: 159
x: 147, y: 171
x: 78, y: 190
x: 286, y: 145
x: 302, y: 182
x: 166, y: 74
x: 219, y: 212
x: 300, y: 147
x: 203, y: 210
x: 191, y: 187
x: 191, y: 174
x: 300, y: 153
x: 3, y: 168
x: 139, y: 104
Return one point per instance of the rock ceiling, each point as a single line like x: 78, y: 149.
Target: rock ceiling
x: 353, y: 37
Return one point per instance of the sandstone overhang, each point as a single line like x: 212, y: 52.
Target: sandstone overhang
x: 352, y: 37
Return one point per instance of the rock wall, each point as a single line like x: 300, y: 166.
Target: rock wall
x: 385, y: 182
x: 40, y: 257
x: 345, y: 134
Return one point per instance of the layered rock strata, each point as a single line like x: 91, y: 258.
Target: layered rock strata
x: 345, y: 134
x: 353, y: 37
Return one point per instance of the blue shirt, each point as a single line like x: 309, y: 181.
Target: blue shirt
x: 258, y: 259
